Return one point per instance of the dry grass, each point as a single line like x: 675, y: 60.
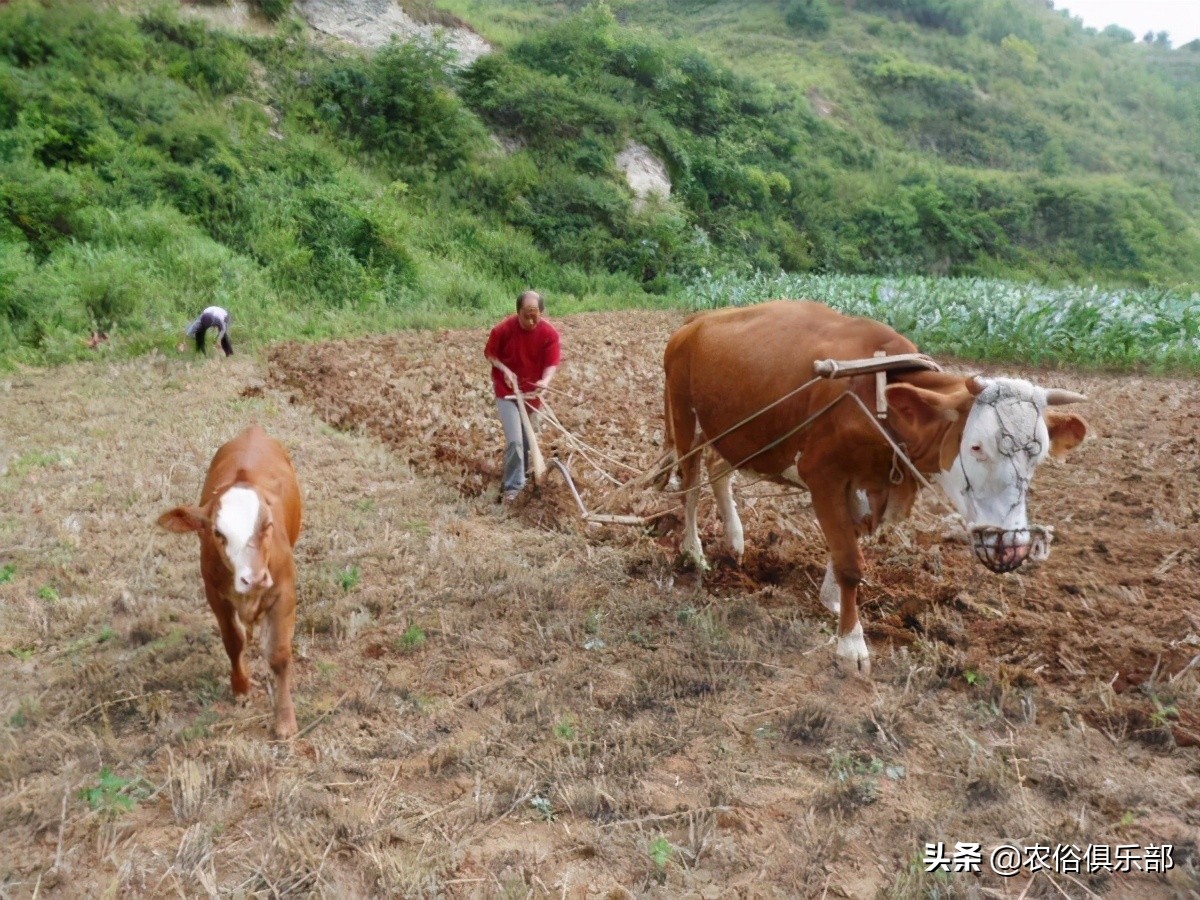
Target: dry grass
x: 489, y: 705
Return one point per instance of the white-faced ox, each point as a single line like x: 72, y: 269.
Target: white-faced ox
x: 980, y: 439
x: 248, y: 521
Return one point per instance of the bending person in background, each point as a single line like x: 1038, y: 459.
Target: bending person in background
x: 212, y: 317
x: 524, y: 352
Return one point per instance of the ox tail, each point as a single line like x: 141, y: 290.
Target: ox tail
x: 665, y: 467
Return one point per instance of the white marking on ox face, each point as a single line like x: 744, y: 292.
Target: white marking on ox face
x: 237, y: 522
x: 1004, y: 441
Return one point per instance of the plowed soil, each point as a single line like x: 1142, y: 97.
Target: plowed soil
x: 503, y: 702
x: 1118, y: 597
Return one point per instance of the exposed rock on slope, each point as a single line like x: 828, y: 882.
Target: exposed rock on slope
x: 645, y: 173
x: 372, y: 23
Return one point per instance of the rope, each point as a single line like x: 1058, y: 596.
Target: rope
x: 582, y: 446
x: 671, y: 461
x: 897, y: 451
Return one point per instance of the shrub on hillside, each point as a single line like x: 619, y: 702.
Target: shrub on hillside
x: 807, y: 16
x: 400, y: 103
x: 272, y: 10
x: 42, y: 204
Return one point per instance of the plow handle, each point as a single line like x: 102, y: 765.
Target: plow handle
x: 539, y: 464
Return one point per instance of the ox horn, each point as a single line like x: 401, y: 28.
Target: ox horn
x: 1058, y: 397
x: 976, y: 385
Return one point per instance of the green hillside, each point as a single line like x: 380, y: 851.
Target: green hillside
x: 150, y: 166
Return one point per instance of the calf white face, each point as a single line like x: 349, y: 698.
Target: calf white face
x: 241, y: 527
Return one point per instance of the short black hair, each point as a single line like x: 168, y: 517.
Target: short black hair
x: 525, y: 294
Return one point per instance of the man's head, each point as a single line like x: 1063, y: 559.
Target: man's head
x: 530, y: 307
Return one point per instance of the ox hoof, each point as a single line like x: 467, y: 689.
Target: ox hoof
x: 695, y: 559
x: 286, y: 730
x: 860, y: 667
x: 853, y: 658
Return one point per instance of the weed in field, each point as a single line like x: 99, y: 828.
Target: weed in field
x: 412, y: 639
x: 111, y: 795
x: 348, y: 578
x: 565, y: 728
x: 48, y: 593
x: 543, y: 807
x: 7, y: 572
x: 914, y: 882
x: 199, y: 728
x: 34, y: 459
x: 766, y: 733
x: 28, y: 712
x: 660, y: 852
x: 326, y: 669
x: 591, y: 625
x: 641, y: 638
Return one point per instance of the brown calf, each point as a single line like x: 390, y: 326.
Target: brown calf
x: 248, y: 521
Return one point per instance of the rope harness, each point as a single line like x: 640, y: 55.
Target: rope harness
x: 825, y: 369
x: 997, y: 548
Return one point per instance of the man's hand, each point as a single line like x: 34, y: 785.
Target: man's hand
x: 510, y: 379
x: 541, y: 385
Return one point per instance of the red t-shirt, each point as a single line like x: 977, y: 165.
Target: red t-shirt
x: 527, y: 353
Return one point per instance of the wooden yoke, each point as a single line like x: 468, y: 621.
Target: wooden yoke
x: 844, y: 368
x: 879, y: 365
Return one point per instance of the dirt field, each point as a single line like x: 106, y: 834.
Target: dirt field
x: 504, y: 703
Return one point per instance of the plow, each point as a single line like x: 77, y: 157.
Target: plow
x: 878, y: 365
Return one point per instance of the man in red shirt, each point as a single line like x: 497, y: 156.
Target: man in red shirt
x: 524, y: 353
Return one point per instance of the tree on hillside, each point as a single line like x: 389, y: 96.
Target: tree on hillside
x: 1117, y: 33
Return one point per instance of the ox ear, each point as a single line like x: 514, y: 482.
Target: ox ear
x: 917, y: 406
x: 1067, y: 432
x: 183, y: 519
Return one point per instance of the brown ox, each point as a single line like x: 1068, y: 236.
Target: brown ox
x: 979, y: 439
x: 248, y: 521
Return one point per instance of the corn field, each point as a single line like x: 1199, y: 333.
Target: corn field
x: 1150, y: 329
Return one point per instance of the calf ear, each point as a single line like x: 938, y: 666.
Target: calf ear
x: 1067, y: 432
x: 183, y: 519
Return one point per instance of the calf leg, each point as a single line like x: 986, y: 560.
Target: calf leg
x: 846, y: 561
x: 722, y: 485
x: 233, y: 636
x: 277, y: 645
